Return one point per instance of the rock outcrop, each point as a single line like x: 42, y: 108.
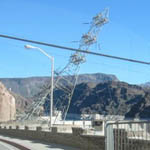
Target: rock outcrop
x: 108, y: 98
x: 7, y: 105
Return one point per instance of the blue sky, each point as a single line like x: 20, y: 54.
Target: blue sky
x: 60, y: 22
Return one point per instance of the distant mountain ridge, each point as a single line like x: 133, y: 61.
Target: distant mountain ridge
x: 28, y: 87
x: 94, y: 93
x: 146, y: 85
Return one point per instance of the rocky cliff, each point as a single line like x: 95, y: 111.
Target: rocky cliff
x: 94, y: 93
x: 28, y: 87
x: 7, y: 105
x: 113, y: 98
x: 110, y: 98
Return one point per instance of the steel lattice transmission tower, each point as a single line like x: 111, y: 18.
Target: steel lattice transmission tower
x: 66, y: 79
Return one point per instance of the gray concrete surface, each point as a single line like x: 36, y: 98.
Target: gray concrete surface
x: 4, y: 146
x: 33, y: 145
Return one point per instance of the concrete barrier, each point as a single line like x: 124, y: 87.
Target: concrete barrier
x: 75, y: 139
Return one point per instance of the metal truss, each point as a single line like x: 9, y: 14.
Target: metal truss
x: 66, y: 79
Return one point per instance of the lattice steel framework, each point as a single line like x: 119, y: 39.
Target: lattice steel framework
x: 66, y: 79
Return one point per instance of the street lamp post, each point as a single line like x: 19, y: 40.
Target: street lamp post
x: 52, y: 77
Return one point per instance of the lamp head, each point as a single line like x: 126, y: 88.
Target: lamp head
x: 29, y: 47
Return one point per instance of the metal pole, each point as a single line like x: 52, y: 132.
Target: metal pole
x: 51, y: 99
x: 52, y: 78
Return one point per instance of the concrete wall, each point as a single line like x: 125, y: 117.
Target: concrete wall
x: 75, y: 139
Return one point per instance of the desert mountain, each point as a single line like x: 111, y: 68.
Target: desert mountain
x: 110, y: 98
x: 28, y: 87
x: 94, y: 93
x: 113, y: 98
x: 21, y: 103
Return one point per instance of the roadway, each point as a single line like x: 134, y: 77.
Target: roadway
x: 4, y: 146
x: 31, y: 145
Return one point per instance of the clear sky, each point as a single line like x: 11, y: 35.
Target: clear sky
x: 60, y: 22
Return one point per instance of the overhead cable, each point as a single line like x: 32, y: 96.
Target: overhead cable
x: 74, y: 49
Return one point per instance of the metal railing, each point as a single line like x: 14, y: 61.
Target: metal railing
x: 127, y: 135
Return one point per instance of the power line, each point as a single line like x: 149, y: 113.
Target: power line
x: 118, y: 67
x: 74, y: 49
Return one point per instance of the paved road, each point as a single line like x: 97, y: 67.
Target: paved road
x: 4, y: 146
x: 34, y: 145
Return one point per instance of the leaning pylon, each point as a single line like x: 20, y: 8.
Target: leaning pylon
x: 66, y: 78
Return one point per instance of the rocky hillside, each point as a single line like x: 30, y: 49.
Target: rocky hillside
x: 113, y: 98
x: 7, y: 105
x: 22, y: 103
x: 25, y: 87
x: 96, y: 93
x: 28, y: 87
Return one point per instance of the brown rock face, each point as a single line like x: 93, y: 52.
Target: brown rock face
x: 7, y: 105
